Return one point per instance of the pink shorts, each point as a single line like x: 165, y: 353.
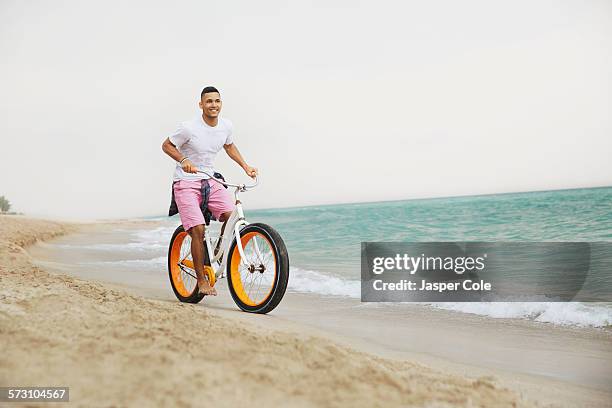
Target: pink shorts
x: 188, y: 197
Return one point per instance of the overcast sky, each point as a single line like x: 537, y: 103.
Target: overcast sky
x: 334, y: 101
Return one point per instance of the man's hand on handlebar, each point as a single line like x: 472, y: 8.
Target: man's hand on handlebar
x: 188, y: 166
x: 251, y: 171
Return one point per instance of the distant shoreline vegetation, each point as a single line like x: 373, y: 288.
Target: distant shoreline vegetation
x: 5, y: 205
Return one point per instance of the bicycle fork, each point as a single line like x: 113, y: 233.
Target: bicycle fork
x: 241, y: 222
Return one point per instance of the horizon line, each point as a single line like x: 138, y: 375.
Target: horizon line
x: 430, y: 198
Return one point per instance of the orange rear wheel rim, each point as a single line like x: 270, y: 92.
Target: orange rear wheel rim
x: 183, y: 283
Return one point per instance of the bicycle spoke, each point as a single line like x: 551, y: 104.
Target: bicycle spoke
x: 257, y: 248
x: 259, y: 285
x: 267, y: 258
x: 249, y: 251
x: 187, y: 275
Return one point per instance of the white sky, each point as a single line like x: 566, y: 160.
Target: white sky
x: 334, y: 101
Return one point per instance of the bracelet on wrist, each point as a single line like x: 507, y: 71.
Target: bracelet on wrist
x: 184, y: 158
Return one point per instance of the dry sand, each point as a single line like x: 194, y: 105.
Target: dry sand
x: 115, y: 349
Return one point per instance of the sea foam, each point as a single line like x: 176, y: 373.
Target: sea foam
x: 304, y: 280
x: 152, y: 262
x: 561, y: 313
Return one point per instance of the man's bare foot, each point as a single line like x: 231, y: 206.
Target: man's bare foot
x: 206, y: 289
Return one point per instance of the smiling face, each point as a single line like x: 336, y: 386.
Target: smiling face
x: 211, y: 104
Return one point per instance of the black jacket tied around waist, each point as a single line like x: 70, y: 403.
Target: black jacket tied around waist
x: 205, y: 190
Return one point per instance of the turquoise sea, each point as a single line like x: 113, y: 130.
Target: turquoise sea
x: 327, y: 238
x: 324, y: 241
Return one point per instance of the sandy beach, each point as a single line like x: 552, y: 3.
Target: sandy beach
x: 123, y: 341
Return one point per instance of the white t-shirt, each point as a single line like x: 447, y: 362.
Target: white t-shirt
x: 201, y: 143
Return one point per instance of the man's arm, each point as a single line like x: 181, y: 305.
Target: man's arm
x: 233, y: 152
x: 174, y: 153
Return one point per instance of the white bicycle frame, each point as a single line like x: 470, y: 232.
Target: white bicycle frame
x: 232, y: 229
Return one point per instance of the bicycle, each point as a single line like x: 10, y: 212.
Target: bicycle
x: 253, y: 255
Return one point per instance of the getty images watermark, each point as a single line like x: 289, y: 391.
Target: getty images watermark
x: 411, y: 264
x: 486, y: 271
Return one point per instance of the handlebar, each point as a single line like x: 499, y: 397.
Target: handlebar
x: 240, y: 187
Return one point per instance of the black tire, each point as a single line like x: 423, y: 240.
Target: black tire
x: 281, y: 264
x: 195, y: 296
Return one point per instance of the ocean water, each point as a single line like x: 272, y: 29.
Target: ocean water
x: 327, y: 238
x: 324, y: 241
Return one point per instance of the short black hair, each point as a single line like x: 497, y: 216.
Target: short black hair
x: 209, y: 89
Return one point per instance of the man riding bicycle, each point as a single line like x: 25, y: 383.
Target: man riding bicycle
x: 194, y: 146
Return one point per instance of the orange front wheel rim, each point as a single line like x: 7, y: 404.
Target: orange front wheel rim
x: 254, y: 280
